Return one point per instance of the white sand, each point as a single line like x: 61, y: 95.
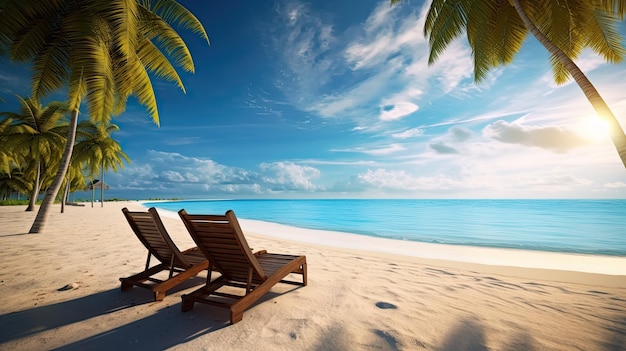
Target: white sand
x: 60, y: 290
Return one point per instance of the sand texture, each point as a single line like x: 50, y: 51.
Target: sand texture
x: 60, y: 291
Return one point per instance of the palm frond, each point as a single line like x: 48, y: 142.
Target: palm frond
x: 448, y: 23
x: 155, y: 28
x: 614, y: 7
x: 604, y: 38
x: 123, y: 18
x: 157, y: 63
x: 480, y: 26
x: 559, y: 71
x: 509, y: 33
x: 50, y: 69
x: 173, y: 12
x: 144, y: 92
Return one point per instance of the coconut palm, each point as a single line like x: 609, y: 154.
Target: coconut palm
x: 5, y: 152
x: 100, y: 152
x: 11, y: 182
x: 496, y: 30
x: 36, y: 136
x: 74, y: 180
x: 101, y: 51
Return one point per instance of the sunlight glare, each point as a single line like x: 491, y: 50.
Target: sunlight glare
x: 595, y: 129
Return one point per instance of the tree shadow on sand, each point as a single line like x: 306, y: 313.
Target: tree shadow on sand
x: 617, y: 336
x: 469, y: 335
x: 164, y: 328
x: 16, y: 325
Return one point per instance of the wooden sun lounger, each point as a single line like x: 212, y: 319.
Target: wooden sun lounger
x: 221, y: 239
x: 181, y: 265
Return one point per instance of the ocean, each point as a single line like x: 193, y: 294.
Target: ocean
x: 595, y: 227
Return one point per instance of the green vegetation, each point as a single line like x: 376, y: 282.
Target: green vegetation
x: 14, y: 202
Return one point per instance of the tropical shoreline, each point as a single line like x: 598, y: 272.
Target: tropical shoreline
x: 588, y: 227
x: 458, y: 254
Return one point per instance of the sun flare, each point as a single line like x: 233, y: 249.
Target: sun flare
x: 595, y: 129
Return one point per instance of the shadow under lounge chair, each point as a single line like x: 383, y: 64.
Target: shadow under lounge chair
x: 221, y: 239
x: 149, y: 228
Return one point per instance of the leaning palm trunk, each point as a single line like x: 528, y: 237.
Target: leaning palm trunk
x: 44, y: 210
x: 601, y: 107
x: 35, y: 194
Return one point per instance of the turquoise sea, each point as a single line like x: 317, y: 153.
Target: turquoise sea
x: 576, y: 226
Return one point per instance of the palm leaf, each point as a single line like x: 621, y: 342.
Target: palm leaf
x: 173, y: 12
x: 155, y: 28
x: 448, y: 24
x: 50, y: 69
x: 604, y: 38
x: 157, y: 63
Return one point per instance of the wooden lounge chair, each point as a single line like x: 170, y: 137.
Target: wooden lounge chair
x: 181, y: 265
x: 220, y: 238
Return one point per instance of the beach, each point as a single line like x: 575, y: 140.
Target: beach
x: 61, y: 291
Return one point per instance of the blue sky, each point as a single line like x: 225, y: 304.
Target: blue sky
x: 327, y: 99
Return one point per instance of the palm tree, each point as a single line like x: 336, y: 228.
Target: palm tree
x: 496, y: 30
x: 74, y: 180
x: 101, y: 50
x: 100, y: 152
x: 36, y: 134
x: 5, y: 153
x: 11, y: 182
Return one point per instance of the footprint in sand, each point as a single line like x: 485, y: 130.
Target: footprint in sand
x: 386, y: 305
x: 68, y: 287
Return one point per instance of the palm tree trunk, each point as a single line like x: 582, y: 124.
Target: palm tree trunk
x: 598, y: 103
x: 93, y: 191
x: 102, y: 184
x: 44, y: 210
x: 35, y: 194
x: 64, y: 196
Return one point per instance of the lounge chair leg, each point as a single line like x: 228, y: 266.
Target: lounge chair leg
x: 159, y: 295
x: 187, y: 304
x: 126, y: 285
x: 304, y: 277
x: 235, y: 317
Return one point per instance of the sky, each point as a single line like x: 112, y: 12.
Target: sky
x: 335, y: 99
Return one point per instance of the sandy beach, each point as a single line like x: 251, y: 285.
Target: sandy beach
x: 60, y: 291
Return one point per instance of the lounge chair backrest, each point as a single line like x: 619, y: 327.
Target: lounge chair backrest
x: 221, y: 239
x: 152, y: 233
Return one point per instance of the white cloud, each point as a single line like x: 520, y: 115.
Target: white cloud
x: 384, y: 64
x: 442, y: 148
x: 552, y: 138
x: 376, y: 151
x: 409, y: 133
x: 289, y: 176
x: 615, y: 185
x: 173, y: 176
x: 196, y: 176
x: 397, y: 111
x: 460, y: 133
x: 450, y: 69
x: 304, y: 43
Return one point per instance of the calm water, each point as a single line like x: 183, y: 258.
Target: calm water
x: 583, y: 226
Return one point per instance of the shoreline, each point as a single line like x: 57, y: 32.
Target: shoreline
x: 462, y: 256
